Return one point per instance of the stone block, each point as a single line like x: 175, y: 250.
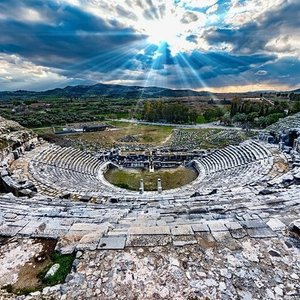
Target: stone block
x: 33, y: 228
x: 200, y: 227
x: 183, y: 240
x: 112, y: 242
x: 89, y: 227
x: 276, y: 224
x: 217, y: 226
x: 233, y: 225
x: 221, y: 236
x: 155, y: 230
x: 253, y: 224
x: 9, y: 230
x: 148, y: 240
x: 264, y: 232
x: 90, y: 240
x: 238, y: 233
x: 182, y: 230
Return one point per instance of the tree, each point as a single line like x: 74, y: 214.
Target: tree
x: 226, y: 119
x: 261, y: 122
x: 213, y: 114
x: 240, y: 118
x: 252, y: 116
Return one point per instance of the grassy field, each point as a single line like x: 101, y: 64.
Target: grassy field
x: 130, y: 178
x: 144, y: 134
x: 151, y: 135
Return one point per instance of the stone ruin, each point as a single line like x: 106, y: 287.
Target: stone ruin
x: 233, y: 233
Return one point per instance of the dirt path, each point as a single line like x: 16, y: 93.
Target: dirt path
x: 166, y: 140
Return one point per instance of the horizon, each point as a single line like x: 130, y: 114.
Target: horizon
x: 218, y: 46
x: 159, y: 87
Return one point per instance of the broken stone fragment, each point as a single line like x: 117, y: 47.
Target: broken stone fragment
x: 295, y: 226
x: 52, y: 271
x: 266, y: 192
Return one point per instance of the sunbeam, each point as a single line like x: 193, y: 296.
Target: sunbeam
x: 211, y: 44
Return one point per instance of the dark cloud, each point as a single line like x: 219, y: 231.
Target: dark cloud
x: 192, y: 38
x: 81, y: 46
x: 254, y: 36
x: 189, y: 17
x: 75, y: 37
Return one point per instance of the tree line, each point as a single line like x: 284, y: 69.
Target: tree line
x: 159, y: 111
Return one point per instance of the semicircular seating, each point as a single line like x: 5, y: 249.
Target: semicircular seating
x: 235, y: 165
x: 56, y: 170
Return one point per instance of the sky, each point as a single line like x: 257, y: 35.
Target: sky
x: 215, y: 45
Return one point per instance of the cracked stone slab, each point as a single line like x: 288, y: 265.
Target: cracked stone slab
x: 10, y: 216
x: 183, y: 240
x: 254, y: 224
x: 112, y: 243
x: 205, y: 239
x: 9, y: 230
x: 233, y: 225
x: 51, y: 233
x: 34, y: 227
x: 217, y: 226
x: 200, y: 227
x: 117, y: 233
x: 220, y: 236
x: 261, y: 232
x: 87, y: 226
x: 182, y: 230
x: 80, y: 239
x: 155, y: 230
x: 148, y: 240
x: 238, y: 233
x: 276, y: 224
x: 19, y: 223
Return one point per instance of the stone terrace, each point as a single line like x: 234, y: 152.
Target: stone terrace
x: 56, y: 171
x: 231, y: 234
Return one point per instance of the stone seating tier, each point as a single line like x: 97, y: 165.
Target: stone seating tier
x: 56, y: 170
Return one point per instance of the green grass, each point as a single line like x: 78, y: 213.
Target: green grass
x: 146, y: 134
x: 27, y: 291
x: 201, y: 120
x: 130, y: 178
x: 65, y: 264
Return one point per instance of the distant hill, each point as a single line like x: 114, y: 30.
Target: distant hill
x: 105, y: 90
x: 121, y: 91
x: 297, y: 91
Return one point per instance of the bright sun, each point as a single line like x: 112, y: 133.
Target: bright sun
x: 164, y: 30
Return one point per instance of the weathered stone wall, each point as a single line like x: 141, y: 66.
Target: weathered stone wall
x: 14, y: 141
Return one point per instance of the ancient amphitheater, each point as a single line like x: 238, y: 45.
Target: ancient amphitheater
x: 233, y: 233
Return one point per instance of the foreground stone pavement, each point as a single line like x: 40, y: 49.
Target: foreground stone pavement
x: 246, y: 268
x: 231, y: 234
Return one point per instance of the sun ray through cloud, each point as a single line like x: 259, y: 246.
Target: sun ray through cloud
x: 183, y: 43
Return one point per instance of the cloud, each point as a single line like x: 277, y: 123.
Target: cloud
x: 242, y: 12
x: 199, y: 4
x: 261, y: 72
x: 213, y: 9
x: 189, y: 17
x: 182, y: 43
x: 18, y: 73
x: 276, y: 32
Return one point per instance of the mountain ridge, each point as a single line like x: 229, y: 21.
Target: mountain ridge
x: 114, y: 90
